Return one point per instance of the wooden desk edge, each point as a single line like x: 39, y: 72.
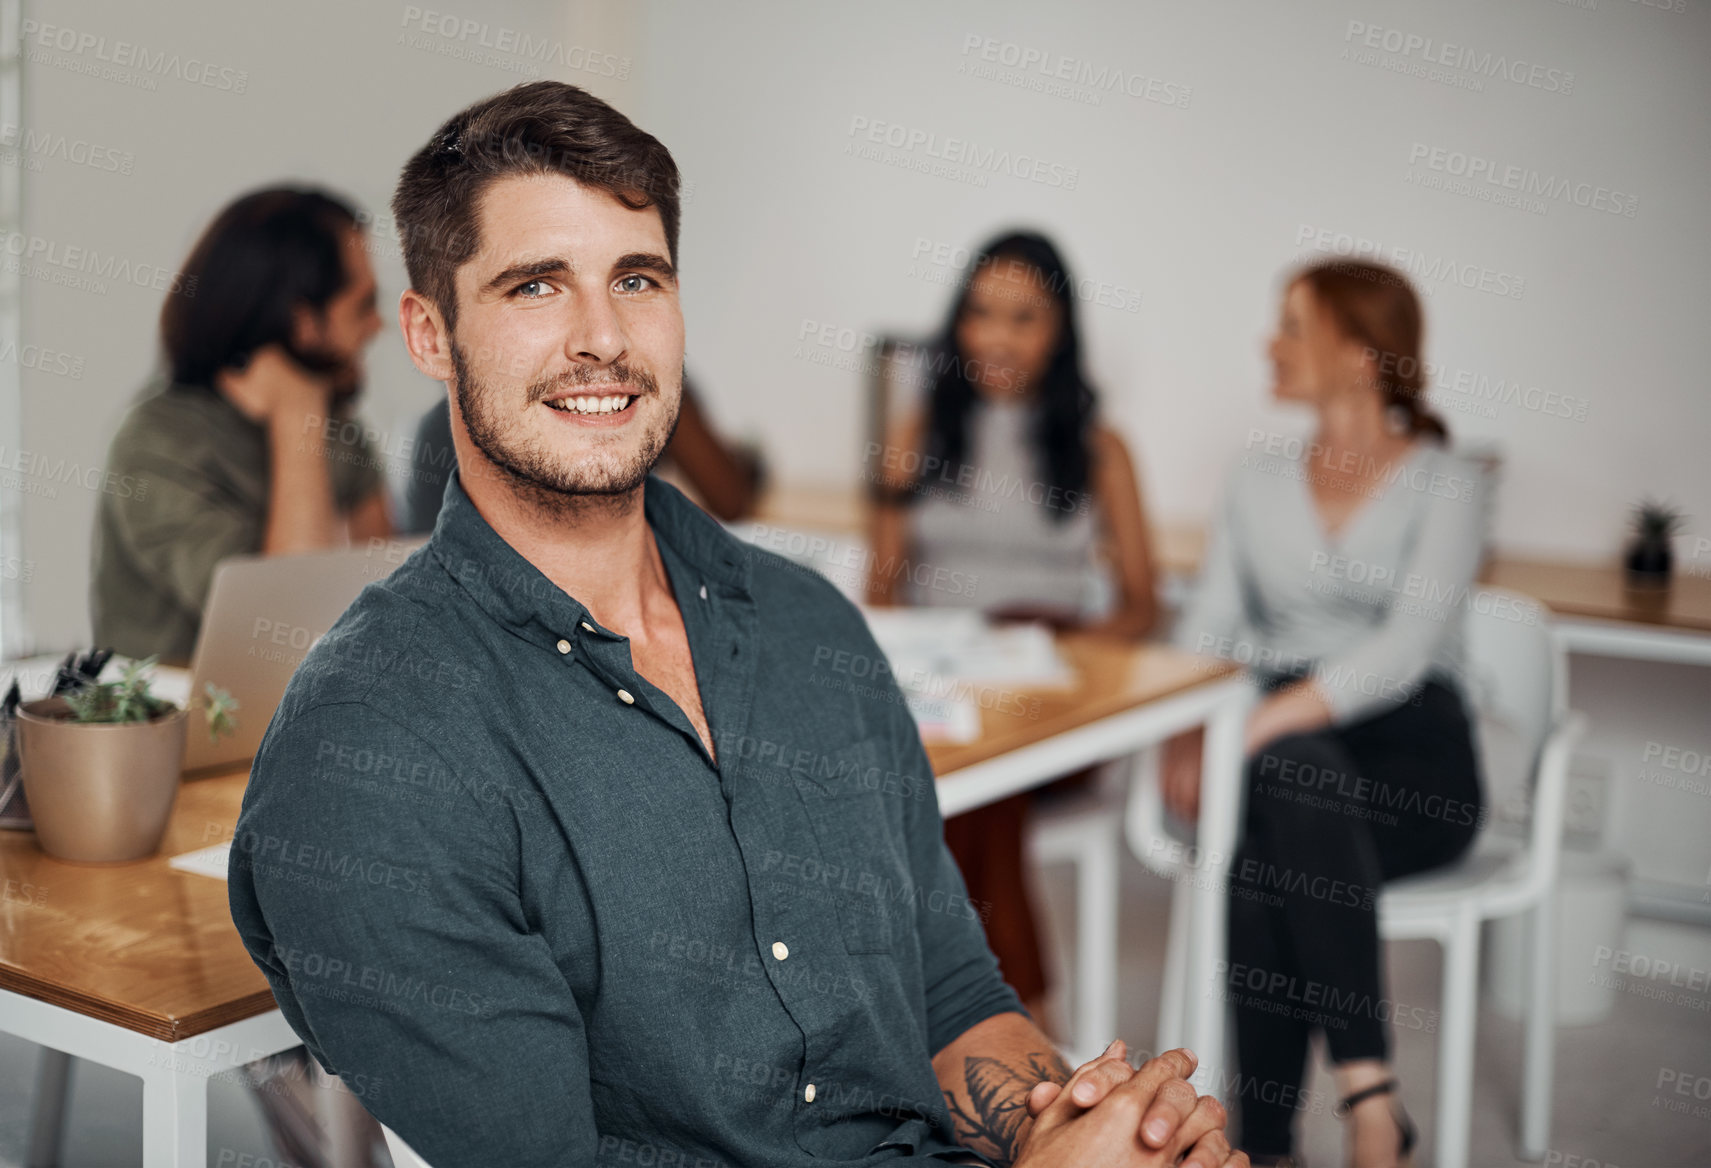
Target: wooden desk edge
x: 1210, y: 670
x: 167, y: 1029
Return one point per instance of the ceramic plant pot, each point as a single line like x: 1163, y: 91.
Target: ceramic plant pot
x: 100, y: 792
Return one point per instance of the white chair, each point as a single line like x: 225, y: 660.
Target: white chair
x: 1515, y: 683
x: 403, y: 1155
x: 1516, y: 680
x: 1166, y: 854
x: 1084, y: 829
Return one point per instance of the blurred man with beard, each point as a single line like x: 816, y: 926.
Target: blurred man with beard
x: 243, y: 448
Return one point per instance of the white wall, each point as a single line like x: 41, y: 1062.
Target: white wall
x: 1195, y: 207
x: 333, y: 93
x: 1265, y: 135
x: 1201, y: 208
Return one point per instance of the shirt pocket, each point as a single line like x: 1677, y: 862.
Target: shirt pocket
x: 856, y: 811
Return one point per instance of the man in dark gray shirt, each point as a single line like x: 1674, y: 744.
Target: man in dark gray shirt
x: 565, y: 843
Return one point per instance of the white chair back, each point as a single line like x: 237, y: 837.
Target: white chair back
x: 403, y: 1155
x: 1514, y: 682
x: 1513, y: 673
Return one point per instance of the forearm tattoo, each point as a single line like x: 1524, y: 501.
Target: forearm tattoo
x: 991, y: 1119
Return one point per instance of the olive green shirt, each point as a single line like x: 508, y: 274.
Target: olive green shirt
x: 186, y: 486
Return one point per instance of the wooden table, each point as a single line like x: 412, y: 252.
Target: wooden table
x: 1126, y: 697
x: 1581, y: 592
x: 137, y: 967
x: 1596, y: 612
x: 1063, y: 730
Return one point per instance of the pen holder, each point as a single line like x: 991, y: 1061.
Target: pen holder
x: 99, y: 792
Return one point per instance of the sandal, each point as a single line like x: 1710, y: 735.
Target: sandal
x: 1404, y: 1125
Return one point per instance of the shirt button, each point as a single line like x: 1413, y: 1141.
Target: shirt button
x: 563, y: 646
x: 624, y: 696
x: 808, y: 1093
x: 588, y: 626
x: 703, y: 592
x: 780, y: 950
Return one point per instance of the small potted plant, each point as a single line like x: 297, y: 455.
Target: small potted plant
x: 1650, y: 558
x: 101, y: 764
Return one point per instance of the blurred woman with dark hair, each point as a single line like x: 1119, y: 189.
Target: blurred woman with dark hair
x: 1360, y: 756
x: 245, y: 446
x: 1029, y: 497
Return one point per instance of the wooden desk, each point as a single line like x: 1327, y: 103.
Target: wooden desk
x: 140, y: 945
x: 1601, y: 592
x: 138, y: 967
x: 1112, y: 678
x: 1597, y: 613
x: 1125, y: 698
x: 1578, y: 590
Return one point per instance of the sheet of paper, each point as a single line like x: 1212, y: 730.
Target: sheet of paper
x: 952, y: 663
x: 945, y: 720
x: 210, y: 861
x: 35, y: 677
x: 926, y: 647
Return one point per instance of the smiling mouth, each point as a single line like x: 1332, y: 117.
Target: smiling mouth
x: 589, y: 404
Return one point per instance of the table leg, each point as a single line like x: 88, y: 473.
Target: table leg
x: 175, y: 1118
x: 1220, y: 807
x: 47, y: 1121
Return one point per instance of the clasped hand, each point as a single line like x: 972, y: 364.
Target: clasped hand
x: 1109, y: 1114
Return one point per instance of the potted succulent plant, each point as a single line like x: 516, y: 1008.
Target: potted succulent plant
x: 101, y: 764
x: 1650, y: 558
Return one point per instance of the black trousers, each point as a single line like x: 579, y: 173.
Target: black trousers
x: 1331, y: 816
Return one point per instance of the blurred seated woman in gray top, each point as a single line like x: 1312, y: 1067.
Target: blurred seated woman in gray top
x: 1030, y: 509
x: 1338, y: 570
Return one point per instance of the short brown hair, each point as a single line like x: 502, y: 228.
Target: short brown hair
x: 540, y: 127
x: 1375, y: 306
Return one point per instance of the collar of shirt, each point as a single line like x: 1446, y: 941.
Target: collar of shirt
x: 515, y: 593
x: 710, y: 572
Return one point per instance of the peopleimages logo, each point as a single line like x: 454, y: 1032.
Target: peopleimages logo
x: 77, y: 151
x: 1428, y: 268
x: 471, y: 36
x: 1058, y: 75
x: 1522, y: 180
x: 37, y: 254
x: 1430, y: 51
x: 913, y: 142
x: 122, y: 55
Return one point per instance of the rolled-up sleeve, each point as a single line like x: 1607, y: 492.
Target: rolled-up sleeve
x: 381, y: 899
x: 960, y: 974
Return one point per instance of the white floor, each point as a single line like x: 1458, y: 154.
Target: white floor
x: 1609, y: 1112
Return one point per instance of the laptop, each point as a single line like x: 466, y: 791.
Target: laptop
x: 263, y: 615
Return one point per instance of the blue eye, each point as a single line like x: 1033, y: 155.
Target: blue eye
x: 634, y: 283
x: 540, y: 289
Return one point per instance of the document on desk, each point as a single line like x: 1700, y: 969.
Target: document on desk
x: 35, y: 677
x: 210, y: 861
x: 951, y: 664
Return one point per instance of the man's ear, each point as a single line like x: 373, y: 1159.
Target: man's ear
x: 308, y: 329
x: 425, y: 335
